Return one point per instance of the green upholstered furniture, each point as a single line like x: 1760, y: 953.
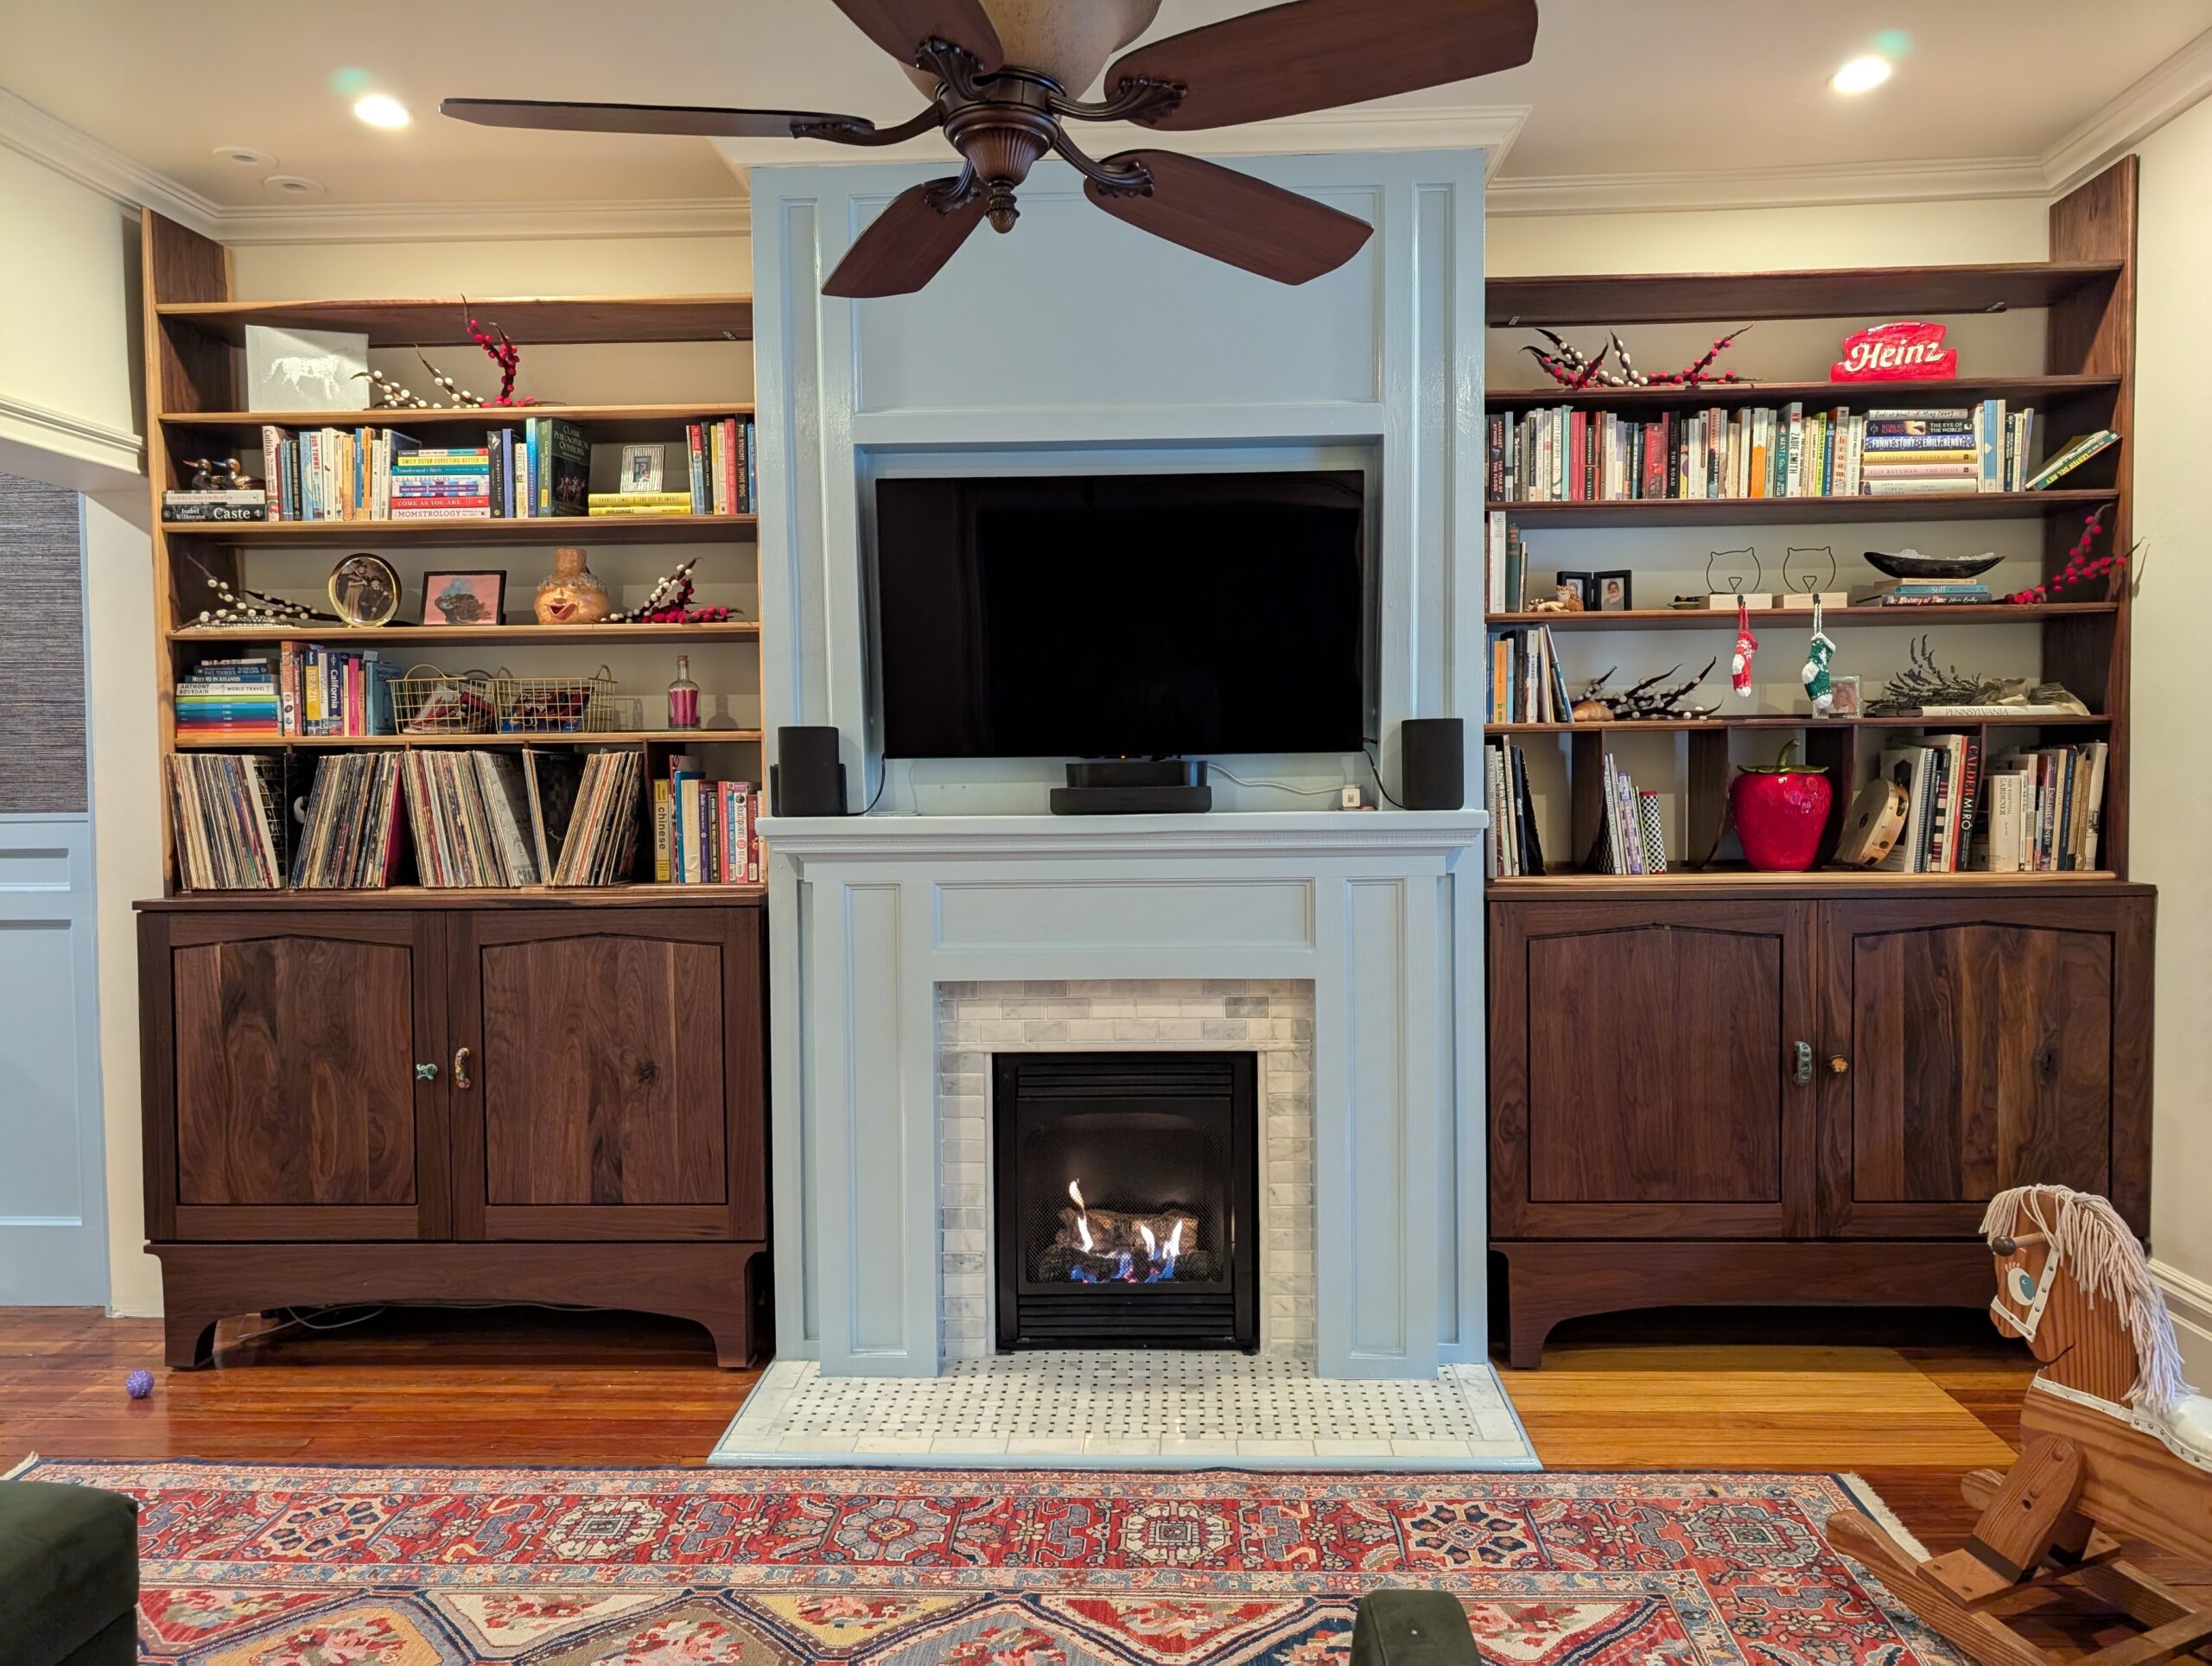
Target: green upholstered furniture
x: 1412, y: 1628
x: 68, y: 1576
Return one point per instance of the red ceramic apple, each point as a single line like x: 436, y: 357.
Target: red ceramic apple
x: 1780, y: 811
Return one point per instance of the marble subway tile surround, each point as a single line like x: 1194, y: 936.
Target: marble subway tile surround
x: 1273, y: 1017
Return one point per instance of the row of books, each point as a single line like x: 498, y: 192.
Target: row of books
x: 2046, y: 810
x: 382, y: 473
x: 1630, y: 837
x: 1506, y: 568
x: 1921, y: 593
x: 1513, y: 849
x: 232, y: 697
x: 1526, y: 683
x: 725, y: 467
x: 1559, y: 454
x: 704, y: 832
x: 480, y: 818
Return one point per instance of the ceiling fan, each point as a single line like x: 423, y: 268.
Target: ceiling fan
x: 1001, y: 76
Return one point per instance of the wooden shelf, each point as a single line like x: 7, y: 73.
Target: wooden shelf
x: 1735, y: 877
x: 1760, y: 511
x: 530, y: 321
x: 1725, y: 298
x: 700, y: 737
x: 1692, y: 618
x: 343, y: 635
x: 1790, y: 721
x: 608, y: 423
x: 550, y: 529
x: 426, y: 896
x: 1815, y: 396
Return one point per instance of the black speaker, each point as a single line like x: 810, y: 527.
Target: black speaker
x: 806, y: 778
x: 1433, y: 763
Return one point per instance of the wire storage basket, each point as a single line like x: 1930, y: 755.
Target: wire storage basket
x: 427, y: 701
x: 554, y: 705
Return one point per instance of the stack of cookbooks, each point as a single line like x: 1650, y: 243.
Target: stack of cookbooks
x: 1919, y: 592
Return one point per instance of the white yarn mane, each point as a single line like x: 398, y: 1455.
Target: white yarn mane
x: 2105, y: 1260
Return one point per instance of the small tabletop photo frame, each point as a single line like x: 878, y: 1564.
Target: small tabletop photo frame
x: 476, y: 598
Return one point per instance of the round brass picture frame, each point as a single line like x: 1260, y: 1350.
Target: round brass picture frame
x: 364, y: 590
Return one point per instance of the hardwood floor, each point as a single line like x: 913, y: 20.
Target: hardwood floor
x: 1907, y: 1401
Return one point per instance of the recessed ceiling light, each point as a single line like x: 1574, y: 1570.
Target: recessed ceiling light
x: 245, y: 155
x: 293, y: 185
x: 1861, y: 75
x: 381, y: 109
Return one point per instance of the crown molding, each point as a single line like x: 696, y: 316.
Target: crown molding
x: 1489, y: 128
x: 1816, y: 185
x: 76, y: 154
x: 413, y: 222
x: 2167, y: 92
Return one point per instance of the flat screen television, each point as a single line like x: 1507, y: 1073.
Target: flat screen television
x: 1121, y: 615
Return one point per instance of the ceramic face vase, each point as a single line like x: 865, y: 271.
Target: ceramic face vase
x: 570, y: 594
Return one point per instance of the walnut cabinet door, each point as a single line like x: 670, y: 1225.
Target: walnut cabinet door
x: 607, y: 1074
x: 1650, y: 1069
x: 1972, y: 1046
x: 292, y: 1075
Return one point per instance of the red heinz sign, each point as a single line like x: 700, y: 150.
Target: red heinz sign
x: 1896, y: 353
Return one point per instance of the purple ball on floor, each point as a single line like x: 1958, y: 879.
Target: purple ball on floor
x: 138, y: 1384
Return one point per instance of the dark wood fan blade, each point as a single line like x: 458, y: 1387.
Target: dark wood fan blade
x: 1316, y: 54
x: 899, y: 26
x: 1233, y: 217
x: 907, y: 245
x: 704, y: 121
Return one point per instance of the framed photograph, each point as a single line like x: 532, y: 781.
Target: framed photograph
x: 463, y: 598
x: 1846, y: 701
x: 1581, y: 585
x: 641, y: 468
x: 364, y: 590
x: 1614, y: 593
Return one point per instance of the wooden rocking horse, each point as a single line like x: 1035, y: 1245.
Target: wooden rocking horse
x: 2115, y: 1444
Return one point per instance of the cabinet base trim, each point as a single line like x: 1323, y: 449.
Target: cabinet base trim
x: 717, y: 1285
x: 1550, y: 1281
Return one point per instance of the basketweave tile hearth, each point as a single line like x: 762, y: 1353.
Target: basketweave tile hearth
x: 1164, y: 1410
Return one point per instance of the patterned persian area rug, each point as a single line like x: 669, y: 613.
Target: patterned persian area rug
x: 309, y: 1567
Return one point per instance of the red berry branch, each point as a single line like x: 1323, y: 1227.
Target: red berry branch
x: 501, y: 352
x: 2079, y: 567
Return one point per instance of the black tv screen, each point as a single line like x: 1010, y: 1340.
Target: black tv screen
x: 1121, y: 615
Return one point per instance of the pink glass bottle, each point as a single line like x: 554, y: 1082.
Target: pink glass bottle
x: 683, y: 697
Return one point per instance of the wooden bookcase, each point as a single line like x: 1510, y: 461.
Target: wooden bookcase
x: 1716, y: 1085
x: 195, y: 331
x: 413, y: 1094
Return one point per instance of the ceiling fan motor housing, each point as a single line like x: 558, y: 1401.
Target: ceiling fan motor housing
x: 1001, y: 137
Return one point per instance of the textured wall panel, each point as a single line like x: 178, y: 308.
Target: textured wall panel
x: 42, y: 650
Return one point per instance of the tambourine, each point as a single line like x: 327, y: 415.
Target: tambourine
x: 1876, y: 822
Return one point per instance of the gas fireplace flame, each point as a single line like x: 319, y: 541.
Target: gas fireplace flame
x: 1083, y: 1218
x: 1121, y: 1249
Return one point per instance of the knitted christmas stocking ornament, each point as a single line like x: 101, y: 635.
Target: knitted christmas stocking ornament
x: 1818, y: 683
x: 1740, y: 667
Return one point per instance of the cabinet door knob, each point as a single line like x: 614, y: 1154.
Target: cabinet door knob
x: 426, y: 1073
x: 1838, y: 1063
x: 461, y: 1067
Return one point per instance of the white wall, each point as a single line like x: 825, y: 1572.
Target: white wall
x: 2172, y: 802
x: 68, y: 330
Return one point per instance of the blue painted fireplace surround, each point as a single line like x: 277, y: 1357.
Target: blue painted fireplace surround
x: 1079, y: 344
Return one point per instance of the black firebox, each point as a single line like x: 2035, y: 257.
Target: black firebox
x: 1126, y: 1193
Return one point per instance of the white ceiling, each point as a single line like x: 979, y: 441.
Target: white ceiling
x: 1681, y: 89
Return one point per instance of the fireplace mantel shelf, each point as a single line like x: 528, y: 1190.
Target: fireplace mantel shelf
x: 1282, y: 833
